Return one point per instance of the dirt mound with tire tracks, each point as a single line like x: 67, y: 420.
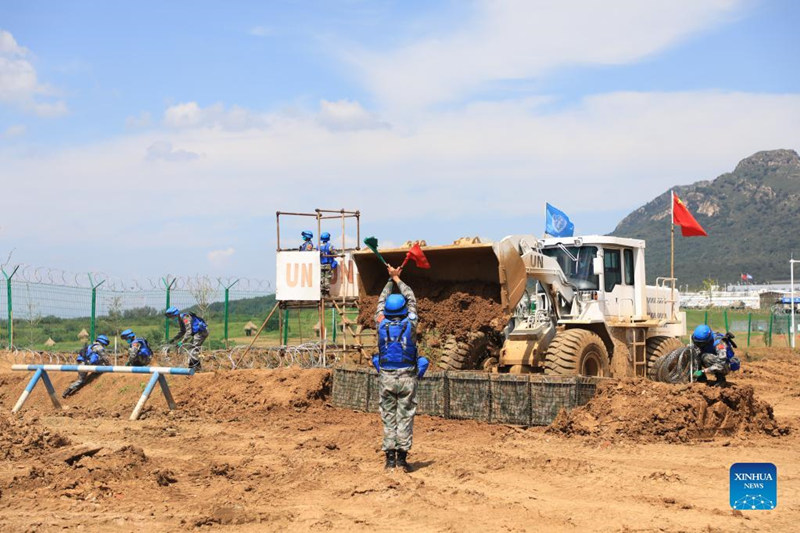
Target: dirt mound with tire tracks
x: 640, y: 410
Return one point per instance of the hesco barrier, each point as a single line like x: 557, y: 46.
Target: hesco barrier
x: 526, y: 400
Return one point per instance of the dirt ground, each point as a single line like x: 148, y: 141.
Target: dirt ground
x: 263, y: 450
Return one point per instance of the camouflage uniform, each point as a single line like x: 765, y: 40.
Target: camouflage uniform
x: 191, y: 341
x: 135, y: 358
x: 715, y: 359
x: 398, y: 405
x: 96, y: 355
x: 398, y: 388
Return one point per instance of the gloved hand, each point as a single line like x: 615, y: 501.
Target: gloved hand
x: 698, y: 373
x: 376, y: 362
x: 179, y: 344
x: 422, y: 366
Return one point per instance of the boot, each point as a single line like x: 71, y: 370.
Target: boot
x: 390, y: 460
x: 401, y: 460
x: 721, y: 381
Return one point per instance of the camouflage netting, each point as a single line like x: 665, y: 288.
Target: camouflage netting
x: 526, y: 400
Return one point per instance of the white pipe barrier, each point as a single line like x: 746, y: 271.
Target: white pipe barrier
x: 157, y: 375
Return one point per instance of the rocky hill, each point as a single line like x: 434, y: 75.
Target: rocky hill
x: 752, y: 216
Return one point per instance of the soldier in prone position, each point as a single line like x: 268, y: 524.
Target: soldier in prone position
x: 94, y: 354
x: 139, y: 352
x: 399, y: 367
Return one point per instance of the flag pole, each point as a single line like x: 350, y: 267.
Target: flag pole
x: 672, y: 249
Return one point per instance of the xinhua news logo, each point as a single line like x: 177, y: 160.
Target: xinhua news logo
x: 754, y: 486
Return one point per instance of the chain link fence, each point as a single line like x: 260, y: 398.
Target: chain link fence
x: 766, y: 328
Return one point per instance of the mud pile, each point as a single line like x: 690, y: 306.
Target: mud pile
x: 641, y: 410
x: 237, y: 395
x: 86, y: 473
x: 20, y: 438
x: 448, y: 308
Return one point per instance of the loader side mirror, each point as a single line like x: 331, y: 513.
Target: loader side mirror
x: 597, y: 265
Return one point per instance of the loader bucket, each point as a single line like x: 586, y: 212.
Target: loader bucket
x: 496, y: 265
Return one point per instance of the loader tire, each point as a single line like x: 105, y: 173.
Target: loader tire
x: 576, y: 352
x: 658, y: 347
x: 467, y: 354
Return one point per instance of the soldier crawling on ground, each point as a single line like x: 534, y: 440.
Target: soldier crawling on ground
x: 93, y: 354
x: 139, y: 352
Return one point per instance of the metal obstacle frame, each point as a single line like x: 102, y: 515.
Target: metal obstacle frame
x: 157, y: 375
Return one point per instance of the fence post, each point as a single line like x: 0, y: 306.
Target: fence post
x: 705, y: 320
x: 10, y: 307
x: 769, y: 336
x: 749, y: 324
x: 285, y: 327
x: 789, y: 328
x: 726, y: 320
x: 333, y: 323
x: 94, y: 304
x: 168, y: 286
x: 227, y: 291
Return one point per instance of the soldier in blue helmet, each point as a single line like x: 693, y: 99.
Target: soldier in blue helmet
x: 399, y: 367
x: 307, y: 245
x: 93, y: 354
x: 716, y: 354
x: 327, y: 261
x: 139, y: 352
x: 192, y: 335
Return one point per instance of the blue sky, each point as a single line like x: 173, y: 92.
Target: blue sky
x: 152, y: 137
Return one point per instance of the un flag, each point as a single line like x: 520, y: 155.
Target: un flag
x: 557, y: 223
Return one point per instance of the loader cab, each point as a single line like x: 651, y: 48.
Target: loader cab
x: 607, y: 269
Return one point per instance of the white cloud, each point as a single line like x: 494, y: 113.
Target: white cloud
x: 220, y: 258
x: 609, y: 152
x: 524, y: 39
x: 163, y: 150
x: 19, y: 85
x: 17, y: 130
x: 142, y: 120
x: 191, y: 115
x: 346, y: 115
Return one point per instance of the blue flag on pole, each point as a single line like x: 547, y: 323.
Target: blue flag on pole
x: 557, y: 223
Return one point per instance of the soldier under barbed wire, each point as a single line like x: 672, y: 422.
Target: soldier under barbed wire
x: 327, y: 261
x: 399, y: 367
x: 716, y: 354
x: 192, y: 335
x: 93, y: 354
x: 139, y: 352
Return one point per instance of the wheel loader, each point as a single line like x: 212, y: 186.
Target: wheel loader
x: 570, y: 306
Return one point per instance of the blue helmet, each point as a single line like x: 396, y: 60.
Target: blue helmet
x: 102, y: 339
x: 172, y: 311
x: 702, y: 335
x: 128, y: 335
x: 395, y: 305
x: 325, y: 236
x: 307, y: 235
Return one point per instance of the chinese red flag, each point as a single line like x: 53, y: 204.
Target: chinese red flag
x: 415, y: 254
x: 683, y: 218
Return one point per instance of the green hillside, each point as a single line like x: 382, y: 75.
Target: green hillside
x: 752, y: 217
